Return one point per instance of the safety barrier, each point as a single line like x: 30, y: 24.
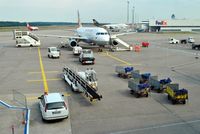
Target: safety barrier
x: 27, y: 118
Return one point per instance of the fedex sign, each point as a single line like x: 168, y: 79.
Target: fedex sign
x: 161, y: 23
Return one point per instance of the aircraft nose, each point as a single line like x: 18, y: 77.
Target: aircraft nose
x: 105, y: 38
x: 102, y: 38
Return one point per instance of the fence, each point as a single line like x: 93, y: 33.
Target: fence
x: 17, y: 117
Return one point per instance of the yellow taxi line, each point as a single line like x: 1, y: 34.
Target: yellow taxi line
x: 43, y: 72
x: 120, y: 60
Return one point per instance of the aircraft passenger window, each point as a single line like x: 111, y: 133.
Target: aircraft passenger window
x: 102, y: 33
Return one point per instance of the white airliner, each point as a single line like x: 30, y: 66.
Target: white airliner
x: 91, y: 35
x: 111, y: 27
x: 31, y: 28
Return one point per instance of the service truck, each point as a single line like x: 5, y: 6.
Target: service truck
x: 88, y: 76
x: 173, y: 41
x: 82, y: 81
x: 87, y: 57
x: 189, y: 40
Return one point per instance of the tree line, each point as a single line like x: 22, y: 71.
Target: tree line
x: 15, y: 23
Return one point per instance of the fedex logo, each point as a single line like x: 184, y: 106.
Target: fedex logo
x: 162, y: 23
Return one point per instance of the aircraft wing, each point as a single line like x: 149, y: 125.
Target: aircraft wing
x: 60, y: 36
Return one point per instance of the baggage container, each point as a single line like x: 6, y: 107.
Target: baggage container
x: 124, y: 71
x: 175, y: 94
x: 145, y: 44
x: 158, y: 85
x: 144, y: 78
x: 137, y: 89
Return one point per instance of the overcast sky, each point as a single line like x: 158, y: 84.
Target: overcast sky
x: 102, y: 10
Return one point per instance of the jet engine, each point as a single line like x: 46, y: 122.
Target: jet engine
x: 72, y: 42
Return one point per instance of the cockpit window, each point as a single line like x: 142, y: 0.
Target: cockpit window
x: 101, y: 33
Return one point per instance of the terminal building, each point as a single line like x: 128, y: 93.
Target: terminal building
x: 177, y: 25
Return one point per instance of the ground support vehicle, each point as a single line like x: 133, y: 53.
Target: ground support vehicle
x: 158, y: 85
x: 196, y: 46
x: 175, y: 94
x: 124, y: 71
x: 87, y: 57
x: 189, y: 40
x: 138, y: 89
x: 183, y: 41
x: 53, y: 52
x: 77, y: 50
x: 144, y: 78
x: 25, y: 38
x: 84, y: 82
x: 173, y: 41
x: 145, y: 44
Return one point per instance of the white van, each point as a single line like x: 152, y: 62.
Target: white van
x: 53, y: 52
x: 77, y: 50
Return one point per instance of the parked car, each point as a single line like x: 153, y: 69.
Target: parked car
x: 173, y: 41
x: 53, y: 106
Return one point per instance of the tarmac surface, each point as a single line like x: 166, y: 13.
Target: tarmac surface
x: 118, y: 112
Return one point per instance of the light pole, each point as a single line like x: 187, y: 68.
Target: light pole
x: 127, y: 11
x: 133, y: 15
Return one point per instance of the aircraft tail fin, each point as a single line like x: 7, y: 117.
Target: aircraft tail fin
x: 27, y: 24
x: 96, y: 23
x: 79, y: 20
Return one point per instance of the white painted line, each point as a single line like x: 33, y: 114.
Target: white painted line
x: 156, y: 127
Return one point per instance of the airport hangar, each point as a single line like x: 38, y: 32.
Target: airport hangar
x: 177, y: 25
